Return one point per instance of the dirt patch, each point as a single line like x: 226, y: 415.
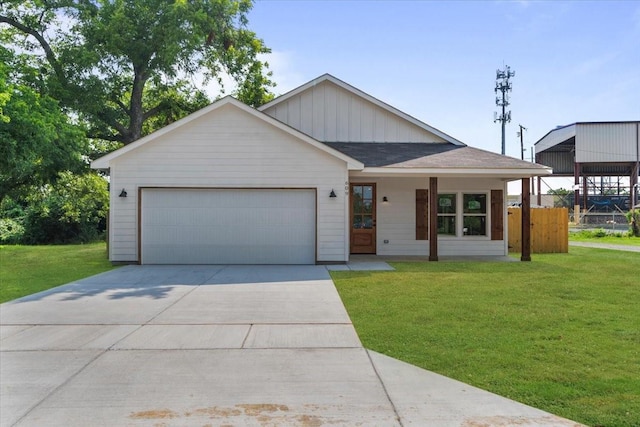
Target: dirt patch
x: 156, y: 414
x: 309, y: 421
x: 215, y: 412
x: 254, y: 410
x: 266, y: 414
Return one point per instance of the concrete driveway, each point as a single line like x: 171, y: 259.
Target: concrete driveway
x: 217, y: 346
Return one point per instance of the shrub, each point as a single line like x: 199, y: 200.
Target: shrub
x: 634, y: 222
x: 11, y: 231
x: 73, y: 210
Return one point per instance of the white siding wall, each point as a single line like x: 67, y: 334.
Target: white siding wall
x: 607, y: 142
x: 226, y: 149
x: 396, y: 219
x: 331, y: 114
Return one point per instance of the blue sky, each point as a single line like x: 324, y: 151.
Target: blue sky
x: 436, y: 60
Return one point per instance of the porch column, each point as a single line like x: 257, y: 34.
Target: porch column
x: 433, y: 219
x: 633, y: 194
x: 526, y: 220
x: 585, y: 190
x: 576, y: 193
x: 539, y: 191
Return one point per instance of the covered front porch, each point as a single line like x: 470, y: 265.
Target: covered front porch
x: 433, y: 200
x: 413, y: 217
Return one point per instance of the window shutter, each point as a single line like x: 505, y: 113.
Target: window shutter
x: 422, y: 214
x: 497, y: 215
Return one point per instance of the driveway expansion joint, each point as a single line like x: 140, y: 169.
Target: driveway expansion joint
x: 246, y: 336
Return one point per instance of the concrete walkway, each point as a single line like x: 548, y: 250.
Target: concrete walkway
x: 627, y: 248
x: 214, y: 346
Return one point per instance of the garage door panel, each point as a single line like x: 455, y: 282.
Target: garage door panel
x: 228, y: 226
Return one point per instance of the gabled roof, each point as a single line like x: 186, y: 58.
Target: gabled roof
x: 103, y: 162
x: 443, y: 158
x: 361, y: 94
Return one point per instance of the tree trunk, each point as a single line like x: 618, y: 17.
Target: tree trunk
x: 136, y: 112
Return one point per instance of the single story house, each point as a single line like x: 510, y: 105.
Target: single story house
x: 317, y: 174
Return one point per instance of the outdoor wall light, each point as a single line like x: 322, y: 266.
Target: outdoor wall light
x: 123, y: 193
x: 332, y: 194
x: 385, y: 200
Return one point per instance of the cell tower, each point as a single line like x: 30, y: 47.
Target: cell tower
x: 503, y: 85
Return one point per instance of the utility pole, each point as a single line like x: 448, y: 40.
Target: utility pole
x: 520, y: 134
x: 503, y: 85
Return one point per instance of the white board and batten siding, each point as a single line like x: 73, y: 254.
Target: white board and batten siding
x: 396, y: 220
x: 330, y: 113
x: 228, y: 149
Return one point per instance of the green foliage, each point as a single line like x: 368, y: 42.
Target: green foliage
x: 634, y: 222
x: 37, y: 139
x: 559, y: 333
x: 109, y: 54
x: 603, y: 236
x: 560, y: 192
x: 5, y: 95
x: 11, y: 231
x: 74, y: 209
x: 173, y: 103
x: 562, y: 198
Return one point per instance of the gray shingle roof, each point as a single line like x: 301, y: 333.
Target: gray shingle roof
x: 427, y: 155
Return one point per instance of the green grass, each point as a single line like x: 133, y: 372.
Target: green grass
x: 561, y: 333
x: 25, y: 270
x: 602, y: 236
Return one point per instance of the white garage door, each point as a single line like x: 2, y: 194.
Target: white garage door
x: 198, y: 226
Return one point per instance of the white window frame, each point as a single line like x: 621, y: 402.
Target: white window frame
x: 459, y: 215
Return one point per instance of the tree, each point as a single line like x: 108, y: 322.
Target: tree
x: 37, y: 140
x: 563, y: 197
x: 103, y: 57
x: 74, y: 209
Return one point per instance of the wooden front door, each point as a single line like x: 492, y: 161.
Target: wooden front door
x: 363, y: 218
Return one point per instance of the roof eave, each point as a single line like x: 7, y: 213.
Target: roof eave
x: 505, y: 173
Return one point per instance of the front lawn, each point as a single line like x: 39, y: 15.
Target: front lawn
x: 25, y: 270
x: 561, y: 333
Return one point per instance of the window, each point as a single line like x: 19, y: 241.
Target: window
x: 447, y: 214
x: 363, y: 199
x: 462, y: 214
x: 474, y: 218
